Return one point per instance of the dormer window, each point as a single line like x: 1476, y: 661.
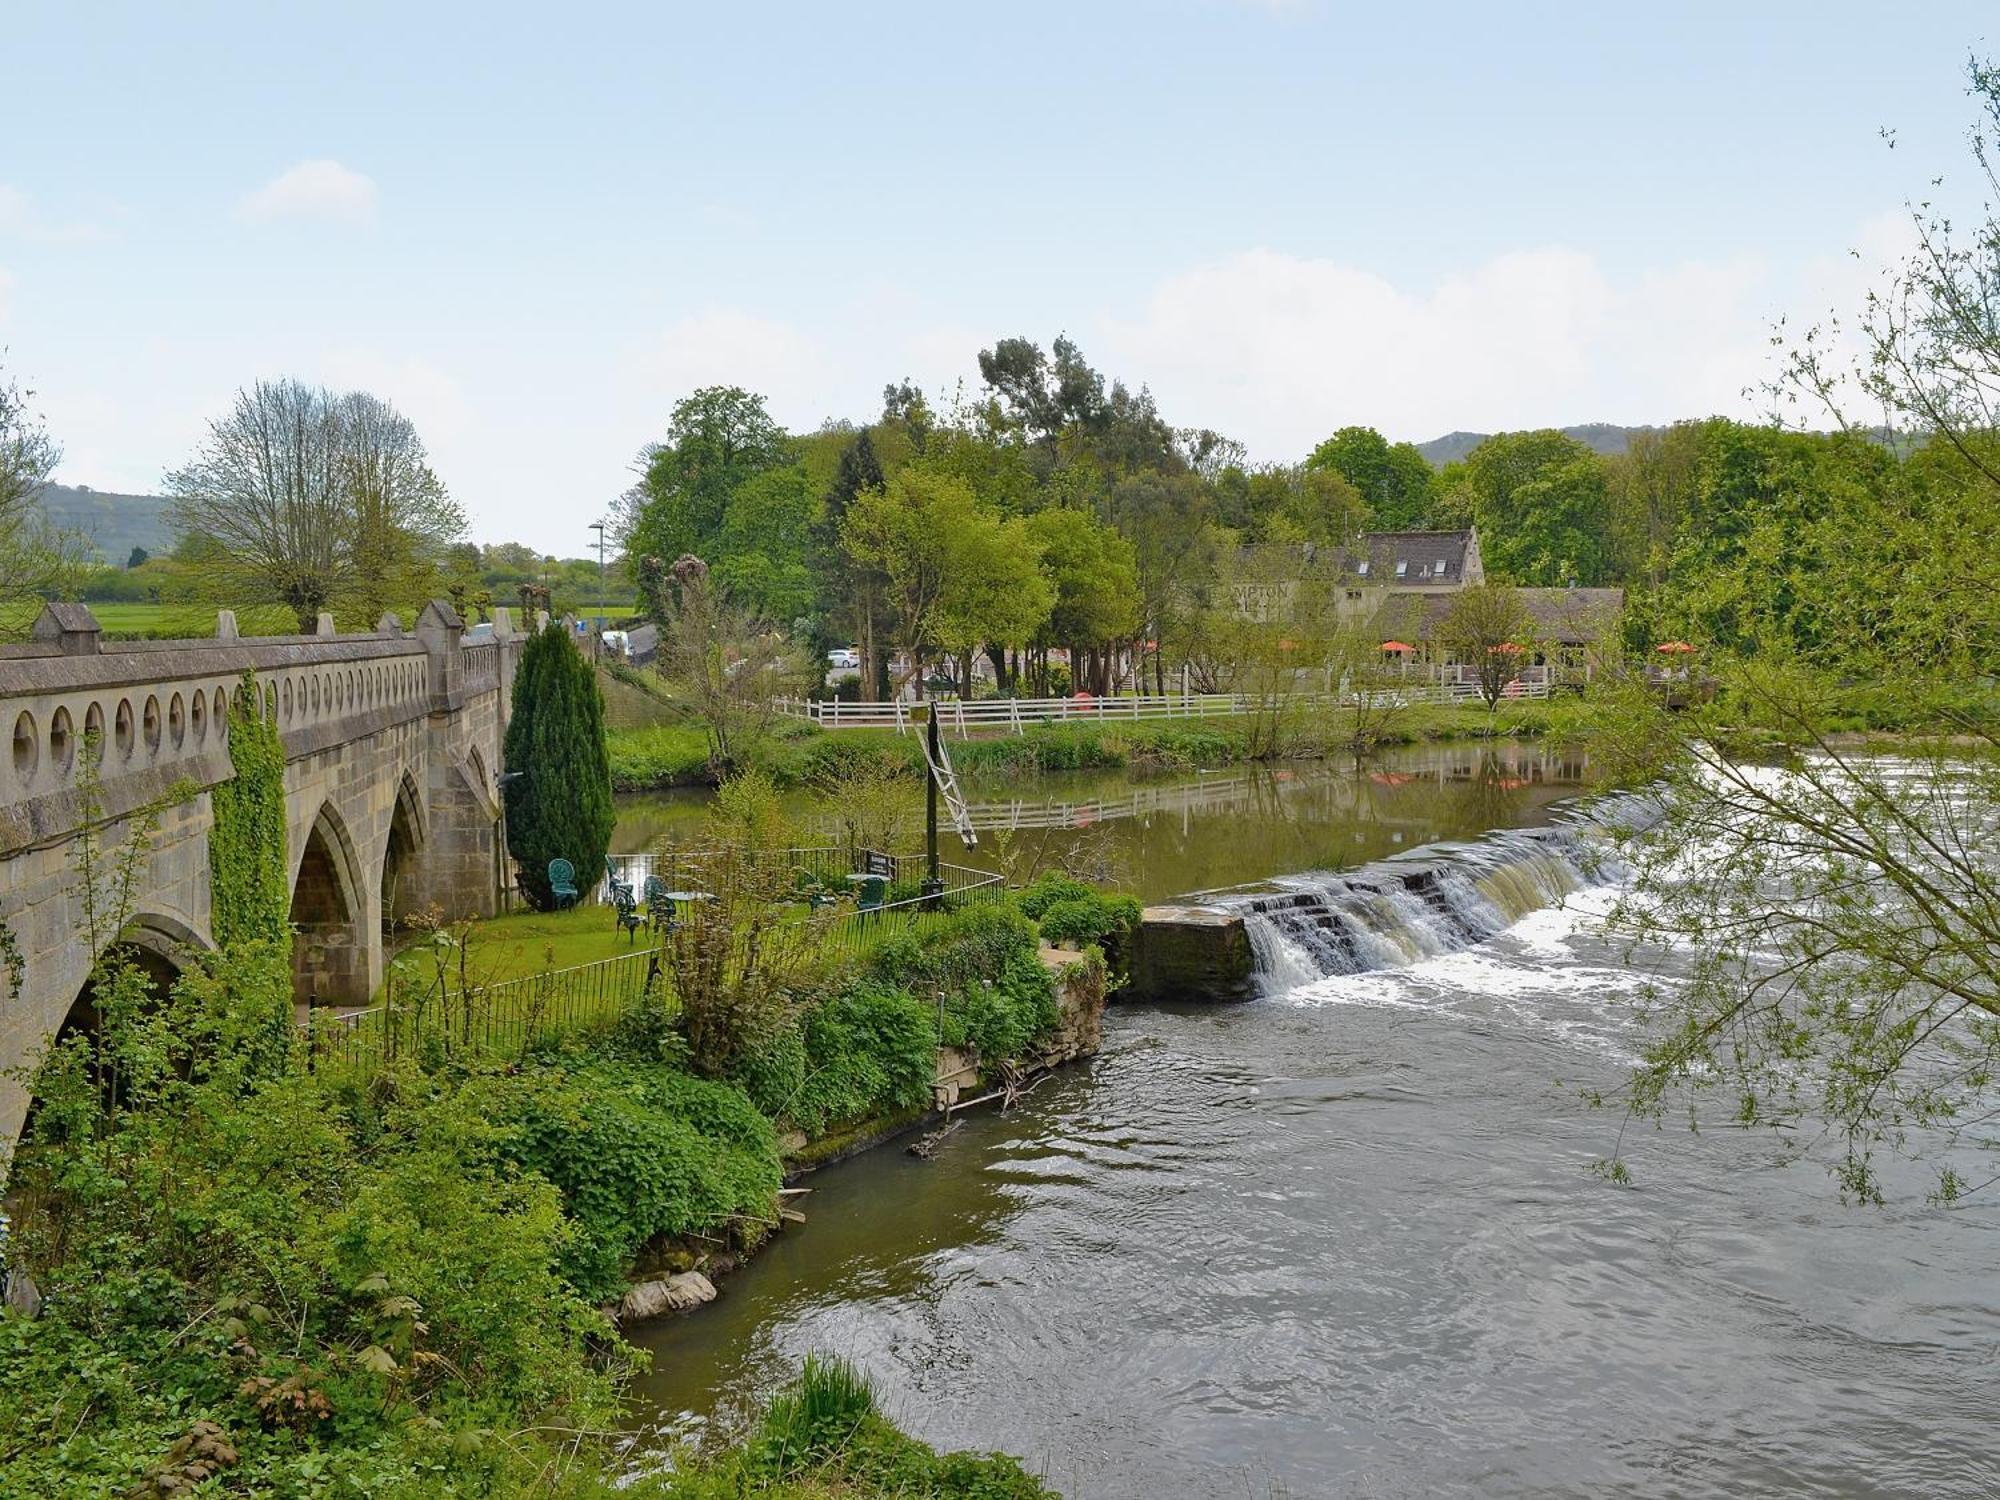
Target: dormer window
x: 1363, y: 569
x: 1440, y: 567
x: 1402, y: 567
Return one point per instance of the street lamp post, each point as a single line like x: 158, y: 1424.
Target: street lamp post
x: 598, y: 527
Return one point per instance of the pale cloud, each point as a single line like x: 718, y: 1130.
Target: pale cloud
x: 322, y: 189
x: 429, y: 397
x: 21, y: 218
x: 6, y: 293
x: 794, y: 371
x: 1279, y: 350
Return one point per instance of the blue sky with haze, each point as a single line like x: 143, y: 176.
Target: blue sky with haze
x: 536, y: 227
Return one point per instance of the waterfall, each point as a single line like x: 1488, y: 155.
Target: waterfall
x: 1413, y: 906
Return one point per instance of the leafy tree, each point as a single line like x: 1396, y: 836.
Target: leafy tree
x: 1839, y: 909
x: 1296, y: 503
x: 1170, y: 522
x: 35, y: 558
x: 1395, y: 482
x: 908, y: 531
x: 851, y: 595
x: 137, y: 556
x: 731, y: 665
x: 312, y: 500
x: 762, y: 549
x: 1487, y: 627
x: 717, y: 440
x: 996, y: 593
x: 1095, y: 571
x: 559, y: 796
x: 1539, y: 500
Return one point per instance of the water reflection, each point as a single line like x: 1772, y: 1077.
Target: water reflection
x: 1164, y: 835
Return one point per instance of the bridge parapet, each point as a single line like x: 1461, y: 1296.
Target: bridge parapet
x: 158, y: 709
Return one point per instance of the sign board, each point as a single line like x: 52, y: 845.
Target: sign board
x: 874, y: 862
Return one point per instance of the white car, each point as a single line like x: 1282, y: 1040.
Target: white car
x: 845, y: 659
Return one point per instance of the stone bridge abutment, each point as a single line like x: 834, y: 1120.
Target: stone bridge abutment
x: 392, y: 743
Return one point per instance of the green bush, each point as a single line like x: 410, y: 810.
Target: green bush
x: 1103, y: 920
x: 559, y: 802
x: 637, y: 1150
x: 966, y: 947
x: 1050, y: 887
x: 223, y: 1248
x: 868, y: 1050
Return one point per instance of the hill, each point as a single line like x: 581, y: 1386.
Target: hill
x: 114, y: 523
x: 1603, y: 437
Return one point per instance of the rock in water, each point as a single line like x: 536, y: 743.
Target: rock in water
x: 652, y: 1299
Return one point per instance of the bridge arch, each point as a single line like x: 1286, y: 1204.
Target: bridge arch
x: 408, y: 833
x: 330, y: 948
x: 159, y: 946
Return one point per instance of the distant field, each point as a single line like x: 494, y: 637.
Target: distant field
x: 167, y: 622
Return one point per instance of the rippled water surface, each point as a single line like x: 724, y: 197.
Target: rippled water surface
x: 1345, y: 1241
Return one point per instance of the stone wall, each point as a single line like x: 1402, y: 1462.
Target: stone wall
x: 391, y: 738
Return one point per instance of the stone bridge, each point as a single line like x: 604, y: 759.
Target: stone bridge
x: 392, y: 746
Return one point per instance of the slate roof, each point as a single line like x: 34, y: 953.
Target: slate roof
x: 1409, y: 559
x: 1392, y: 560
x: 1566, y: 617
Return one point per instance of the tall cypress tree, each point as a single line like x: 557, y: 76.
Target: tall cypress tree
x: 559, y: 806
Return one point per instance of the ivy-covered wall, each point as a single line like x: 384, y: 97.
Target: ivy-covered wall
x: 248, y: 898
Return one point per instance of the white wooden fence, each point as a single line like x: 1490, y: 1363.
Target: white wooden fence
x: 958, y: 716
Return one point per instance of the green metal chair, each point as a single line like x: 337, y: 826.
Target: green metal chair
x: 617, y: 885
x: 659, y: 910
x: 627, y: 910
x: 562, y: 883
x: 809, y: 888
x: 871, y: 894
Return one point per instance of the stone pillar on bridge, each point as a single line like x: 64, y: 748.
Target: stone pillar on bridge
x: 458, y: 866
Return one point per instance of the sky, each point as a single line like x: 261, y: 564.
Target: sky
x: 535, y: 228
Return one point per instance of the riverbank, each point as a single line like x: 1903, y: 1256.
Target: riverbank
x: 312, y: 1283
x: 800, y: 753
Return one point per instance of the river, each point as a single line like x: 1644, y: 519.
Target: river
x: 1167, y: 834
x: 1344, y: 1240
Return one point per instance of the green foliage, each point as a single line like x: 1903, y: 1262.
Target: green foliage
x: 868, y: 1051
x: 996, y: 993
x: 215, y: 1243
x: 1068, y: 911
x: 1395, y: 481
x: 665, y: 755
x: 638, y: 1150
x: 823, y: 1436
x: 559, y: 805
x: 718, y: 440
x: 760, y: 555
x: 249, y: 896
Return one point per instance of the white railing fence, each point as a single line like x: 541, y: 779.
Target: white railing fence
x: 956, y: 715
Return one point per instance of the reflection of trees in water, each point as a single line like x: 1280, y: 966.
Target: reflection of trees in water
x: 1171, y: 834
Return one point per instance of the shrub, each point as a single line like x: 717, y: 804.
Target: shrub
x: 637, y: 1151
x: 868, y: 1050
x: 560, y: 804
x: 1090, y: 919
x: 1051, y: 887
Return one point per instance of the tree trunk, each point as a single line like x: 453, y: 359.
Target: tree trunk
x: 869, y: 679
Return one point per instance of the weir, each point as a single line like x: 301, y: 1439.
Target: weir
x: 1294, y: 929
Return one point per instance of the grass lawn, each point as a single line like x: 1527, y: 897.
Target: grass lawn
x: 187, y: 621
x: 528, y: 942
